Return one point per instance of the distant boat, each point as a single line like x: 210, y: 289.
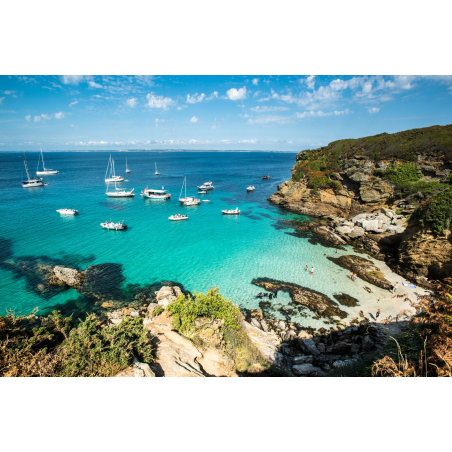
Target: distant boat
x: 250, y: 188
x: 266, y: 177
x: 111, y: 175
x: 178, y: 217
x: 235, y: 211
x: 45, y: 170
x: 31, y: 182
x: 159, y: 195
x: 187, y: 200
x: 67, y: 211
x: 127, y: 169
x: 119, y: 226
x: 206, y: 186
x: 156, y: 170
x: 119, y: 192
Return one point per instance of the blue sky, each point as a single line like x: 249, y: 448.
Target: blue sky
x: 282, y: 113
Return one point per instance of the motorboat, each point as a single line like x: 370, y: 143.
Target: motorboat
x: 127, y: 169
x: 156, y: 170
x: 266, y: 177
x: 206, y: 200
x: 119, y: 226
x: 67, y: 211
x: 250, y: 188
x: 31, y: 182
x: 111, y: 176
x: 206, y: 186
x: 202, y: 192
x: 160, y: 195
x: 187, y: 200
x: 178, y: 217
x: 45, y: 170
x: 235, y: 211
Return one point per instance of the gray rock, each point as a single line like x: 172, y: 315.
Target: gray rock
x: 255, y: 323
x: 264, y: 325
x: 344, y: 230
x: 370, y: 225
x: 308, y: 359
x: 359, y: 218
x: 341, y: 363
x: 356, y: 232
x: 306, y: 369
x: 308, y: 346
x: 282, y: 325
x: 367, y: 343
x: 151, y: 309
x: 321, y: 347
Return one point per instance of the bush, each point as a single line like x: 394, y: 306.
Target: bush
x: 403, y: 174
x: 437, y: 212
x: 212, y: 305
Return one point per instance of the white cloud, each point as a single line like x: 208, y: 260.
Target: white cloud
x: 159, y: 101
x: 1, y: 99
x: 73, y: 103
x: 214, y: 95
x: 236, y: 94
x: 249, y: 141
x: 267, y: 119
x: 195, y: 98
x: 157, y: 121
x: 132, y: 102
x: 37, y: 118
x: 194, y: 119
x: 266, y: 109
x: 28, y: 117
x: 215, y: 127
x: 255, y: 81
x: 59, y: 115
x: 373, y: 110
x: 309, y: 81
x: 72, y: 79
x: 94, y: 84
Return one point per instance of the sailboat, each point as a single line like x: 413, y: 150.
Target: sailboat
x: 112, y: 176
x: 31, y: 181
x: 187, y: 201
x: 156, y: 170
x: 45, y: 170
x: 119, y: 192
x: 127, y: 169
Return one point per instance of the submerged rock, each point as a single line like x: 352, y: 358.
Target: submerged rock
x: 364, y: 268
x: 315, y: 301
x: 65, y: 276
x: 346, y: 300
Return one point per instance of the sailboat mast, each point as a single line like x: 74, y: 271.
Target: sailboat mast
x: 108, y: 166
x: 26, y: 166
x: 43, y: 164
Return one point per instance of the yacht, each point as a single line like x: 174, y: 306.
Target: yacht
x: 127, y: 169
x: 119, y: 226
x: 235, y: 211
x: 250, y: 188
x: 120, y: 193
x: 206, y: 186
x: 151, y: 193
x: 156, y: 170
x: 266, y: 177
x: 187, y: 200
x: 111, y: 176
x: 178, y: 217
x: 67, y: 211
x: 45, y: 170
x: 31, y: 181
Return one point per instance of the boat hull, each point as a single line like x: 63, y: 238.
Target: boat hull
x: 67, y: 211
x: 45, y: 173
x: 120, y: 195
x: 225, y: 212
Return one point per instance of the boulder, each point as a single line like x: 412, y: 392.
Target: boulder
x: 341, y: 363
x: 356, y: 232
x: 308, y: 346
x: 255, y: 323
x: 344, y: 230
x: 167, y: 295
x: 65, y: 276
x: 359, y: 218
x: 306, y: 370
x: 370, y: 225
x: 303, y: 359
x: 367, y: 343
x: 137, y: 369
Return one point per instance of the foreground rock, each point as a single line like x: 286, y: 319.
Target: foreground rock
x: 364, y: 268
x: 62, y: 276
x: 167, y: 295
x: 315, y: 301
x: 137, y: 369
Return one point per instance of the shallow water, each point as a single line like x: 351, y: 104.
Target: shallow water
x: 206, y: 251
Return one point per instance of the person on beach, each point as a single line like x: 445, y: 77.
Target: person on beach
x: 350, y: 275
x: 306, y: 268
x: 394, y: 288
x: 377, y: 315
x: 275, y: 293
x: 312, y: 270
x: 354, y: 277
x: 270, y: 295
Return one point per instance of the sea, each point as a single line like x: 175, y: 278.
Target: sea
x: 206, y: 251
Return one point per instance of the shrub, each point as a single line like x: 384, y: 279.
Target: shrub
x: 437, y: 211
x: 403, y: 174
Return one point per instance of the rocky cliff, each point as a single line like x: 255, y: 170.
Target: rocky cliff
x: 370, y: 189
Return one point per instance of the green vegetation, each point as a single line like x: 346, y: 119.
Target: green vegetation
x: 437, y: 211
x: 403, y: 174
x: 186, y: 310
x: 52, y: 346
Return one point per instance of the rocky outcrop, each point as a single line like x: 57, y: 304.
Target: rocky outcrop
x: 62, y: 276
x: 315, y: 301
x: 167, y: 295
x: 137, y: 369
x: 365, y: 269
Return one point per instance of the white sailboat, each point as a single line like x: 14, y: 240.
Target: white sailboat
x: 156, y: 170
x: 112, y: 176
x: 119, y: 192
x: 45, y: 170
x: 187, y: 200
x: 127, y: 169
x: 31, y: 181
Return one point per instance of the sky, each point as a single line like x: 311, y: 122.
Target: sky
x: 258, y: 112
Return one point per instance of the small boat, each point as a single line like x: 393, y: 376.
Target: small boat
x: 202, y: 192
x: 119, y: 226
x: 127, y: 169
x: 45, y: 170
x: 67, y: 211
x: 206, y: 186
x: 187, y: 200
x: 120, y: 193
x: 111, y: 175
x: 178, y: 217
x: 160, y: 195
x: 266, y: 177
x: 250, y: 188
x: 31, y: 182
x: 156, y: 170
x: 206, y: 200
x: 235, y: 211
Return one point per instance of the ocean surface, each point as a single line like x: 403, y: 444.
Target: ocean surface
x: 206, y: 251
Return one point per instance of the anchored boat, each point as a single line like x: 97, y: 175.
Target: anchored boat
x: 111, y: 175
x: 45, y: 170
x: 250, y: 188
x: 235, y: 211
x: 187, y: 200
x: 119, y: 226
x: 31, y: 182
x: 178, y: 217
x: 118, y: 192
x: 206, y: 186
x: 67, y: 211
x: 159, y: 195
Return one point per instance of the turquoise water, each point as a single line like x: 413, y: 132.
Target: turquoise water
x: 206, y: 251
